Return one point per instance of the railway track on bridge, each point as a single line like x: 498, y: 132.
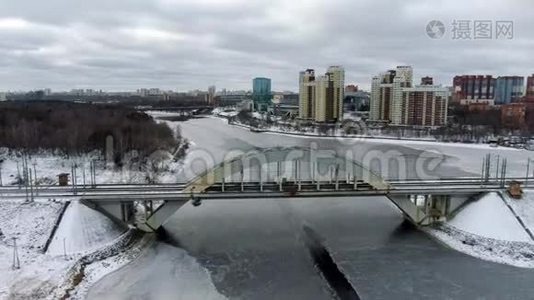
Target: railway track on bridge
x: 244, y: 189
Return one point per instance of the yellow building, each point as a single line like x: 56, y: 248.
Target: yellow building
x: 321, y: 98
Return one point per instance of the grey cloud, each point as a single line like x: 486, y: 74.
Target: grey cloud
x: 123, y: 45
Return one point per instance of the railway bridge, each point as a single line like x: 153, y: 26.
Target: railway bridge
x: 291, y: 174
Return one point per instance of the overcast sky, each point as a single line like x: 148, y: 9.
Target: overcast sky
x: 190, y: 44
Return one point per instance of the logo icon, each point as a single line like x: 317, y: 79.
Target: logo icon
x: 435, y: 29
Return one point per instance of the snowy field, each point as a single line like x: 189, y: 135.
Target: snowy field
x: 490, y: 218
x: 31, y: 224
x: 40, y: 274
x: 524, y: 207
x: 489, y: 230
x: 82, y: 230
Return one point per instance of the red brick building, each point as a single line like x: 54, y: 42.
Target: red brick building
x: 424, y: 105
x: 473, y: 87
x: 513, y: 115
x: 529, y: 95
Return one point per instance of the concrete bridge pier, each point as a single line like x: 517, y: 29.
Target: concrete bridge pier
x: 123, y: 212
x: 423, y: 209
x: 158, y: 217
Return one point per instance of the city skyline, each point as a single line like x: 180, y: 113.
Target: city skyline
x: 186, y: 45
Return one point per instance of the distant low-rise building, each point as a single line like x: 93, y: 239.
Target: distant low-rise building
x: 480, y: 106
x: 231, y: 99
x: 513, y: 115
x: 490, y: 102
x: 351, y: 88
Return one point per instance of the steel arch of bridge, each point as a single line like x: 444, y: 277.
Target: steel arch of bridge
x: 285, y: 164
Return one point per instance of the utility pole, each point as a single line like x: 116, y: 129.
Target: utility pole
x: 83, y: 174
x: 93, y: 174
x: 74, y: 179
x: 354, y: 175
x: 25, y: 176
x: 503, y: 172
x: 242, y: 175
x: 1, y: 175
x: 488, y: 166
x: 336, y: 173
x: 528, y: 171
x: 299, y: 175
x: 497, y: 169
x: 35, y: 178
x: 31, y: 185
x: 64, y: 249
x: 16, y: 261
x: 18, y: 174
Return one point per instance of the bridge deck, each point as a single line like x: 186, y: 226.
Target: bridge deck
x: 255, y: 190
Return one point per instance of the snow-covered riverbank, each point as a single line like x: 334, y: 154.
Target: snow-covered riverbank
x: 488, y: 229
x: 82, y: 233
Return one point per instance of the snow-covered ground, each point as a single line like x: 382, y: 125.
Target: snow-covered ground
x: 98, y: 270
x: 82, y: 230
x: 31, y: 224
x: 48, y: 165
x: 40, y: 274
x: 523, y: 207
x: 488, y: 229
x: 490, y: 218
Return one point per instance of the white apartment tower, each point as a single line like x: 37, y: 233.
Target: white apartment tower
x: 321, y: 98
x: 395, y: 101
x: 386, y: 94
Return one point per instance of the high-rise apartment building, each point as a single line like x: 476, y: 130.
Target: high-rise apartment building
x: 509, y: 89
x: 473, y: 89
x: 386, y: 94
x: 424, y: 105
x: 261, y: 93
x: 395, y: 101
x: 321, y: 98
x: 307, y: 95
x: 335, y: 94
x: 211, y: 95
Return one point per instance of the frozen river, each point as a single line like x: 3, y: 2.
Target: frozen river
x: 255, y: 249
